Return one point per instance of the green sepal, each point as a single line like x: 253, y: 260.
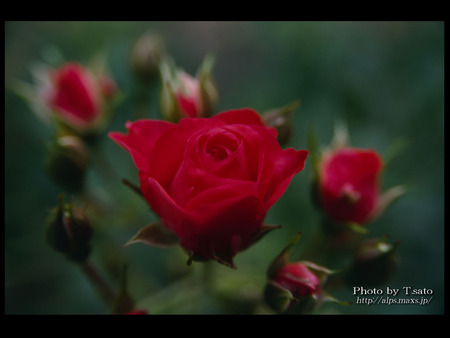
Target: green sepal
x: 277, y: 298
x: 67, y: 233
x: 208, y: 92
x: 283, y: 258
x: 155, y: 235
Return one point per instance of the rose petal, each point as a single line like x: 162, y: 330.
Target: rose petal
x: 288, y: 163
x: 140, y: 139
x: 240, y: 116
x: 173, y: 216
x: 170, y: 147
x: 279, y: 166
x: 227, y: 226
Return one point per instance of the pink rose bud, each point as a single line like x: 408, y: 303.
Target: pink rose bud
x: 298, y: 279
x: 295, y: 287
x: 348, y: 184
x: 76, y: 96
x: 211, y: 180
x: 186, y: 96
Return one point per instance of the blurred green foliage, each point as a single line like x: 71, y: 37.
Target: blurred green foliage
x: 384, y: 80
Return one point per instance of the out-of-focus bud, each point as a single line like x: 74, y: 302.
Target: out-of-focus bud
x: 137, y: 312
x: 66, y: 162
x: 281, y: 120
x: 348, y: 183
x: 295, y: 287
x: 75, y: 97
x: 374, y: 263
x: 108, y: 87
x: 146, y: 55
x: 185, y: 96
x: 69, y: 232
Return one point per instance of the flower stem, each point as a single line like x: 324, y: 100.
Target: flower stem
x: 207, y: 273
x: 104, y: 290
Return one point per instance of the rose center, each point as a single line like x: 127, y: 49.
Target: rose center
x: 220, y: 146
x: 349, y: 194
x: 218, y: 153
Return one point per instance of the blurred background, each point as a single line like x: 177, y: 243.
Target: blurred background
x: 384, y: 80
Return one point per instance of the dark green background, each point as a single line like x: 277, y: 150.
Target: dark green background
x: 385, y: 80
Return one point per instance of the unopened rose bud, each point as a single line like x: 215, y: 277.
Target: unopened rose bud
x: 281, y: 120
x: 374, y: 263
x: 183, y: 95
x: 69, y: 232
x: 75, y: 97
x: 66, y: 162
x: 294, y: 286
x: 347, y: 183
x: 146, y: 55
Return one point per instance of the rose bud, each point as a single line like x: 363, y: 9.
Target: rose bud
x: 137, y: 312
x: 69, y: 232
x: 346, y: 183
x: 281, y: 120
x: 66, y: 162
x: 374, y: 262
x: 292, y: 284
x: 349, y: 184
x: 76, y: 97
x: 146, y: 55
x: 295, y: 286
x: 185, y: 96
x: 211, y: 180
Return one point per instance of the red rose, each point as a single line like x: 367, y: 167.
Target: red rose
x: 297, y: 279
x: 75, y: 95
x: 348, y: 184
x: 211, y: 180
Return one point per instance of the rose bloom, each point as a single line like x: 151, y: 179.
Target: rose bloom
x: 348, y: 184
x: 297, y: 279
x: 211, y: 180
x: 76, y: 96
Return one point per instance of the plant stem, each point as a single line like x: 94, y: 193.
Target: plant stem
x: 104, y: 290
x: 207, y: 272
